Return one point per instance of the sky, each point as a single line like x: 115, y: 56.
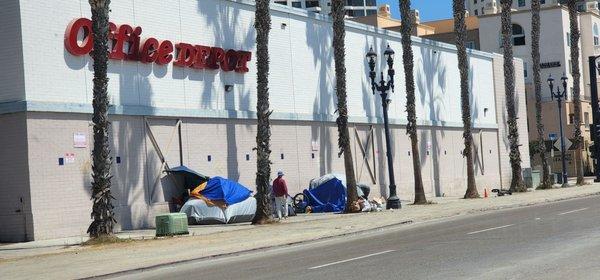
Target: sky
x: 429, y: 9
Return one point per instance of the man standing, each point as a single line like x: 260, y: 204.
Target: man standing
x: 281, y: 193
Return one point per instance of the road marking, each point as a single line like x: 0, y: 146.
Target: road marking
x: 488, y: 229
x: 572, y: 211
x: 352, y: 259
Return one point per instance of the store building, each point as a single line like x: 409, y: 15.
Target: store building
x: 202, y: 113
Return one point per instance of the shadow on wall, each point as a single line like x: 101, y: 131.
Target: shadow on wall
x: 319, y: 41
x: 474, y: 117
x: 434, y: 70
x: 224, y: 21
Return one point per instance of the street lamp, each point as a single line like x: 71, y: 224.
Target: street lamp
x: 393, y: 202
x: 559, y: 97
x: 595, y: 131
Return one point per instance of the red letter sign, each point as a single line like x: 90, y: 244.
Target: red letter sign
x: 127, y: 45
x: 71, y: 37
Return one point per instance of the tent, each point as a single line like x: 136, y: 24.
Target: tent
x: 329, y: 196
x: 214, y: 200
x: 200, y: 213
x: 191, y: 179
x: 230, y: 192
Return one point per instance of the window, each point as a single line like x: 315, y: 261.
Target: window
x: 297, y: 4
x: 470, y: 45
x: 476, y: 12
x: 521, y: 3
x: 355, y: 13
x: 542, y: 2
x: 355, y: 3
x: 312, y: 4
x: 571, y: 118
x: 568, y: 39
x: 281, y: 2
x: 570, y: 67
x: 371, y: 3
x: 371, y: 12
x: 586, y: 119
x: 482, y: 11
x: 596, y: 35
x: 525, y: 74
x: 518, y: 35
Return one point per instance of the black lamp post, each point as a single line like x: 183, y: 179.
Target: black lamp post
x: 595, y: 131
x: 559, y: 97
x: 383, y: 87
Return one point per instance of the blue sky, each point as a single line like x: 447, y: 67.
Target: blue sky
x: 429, y: 9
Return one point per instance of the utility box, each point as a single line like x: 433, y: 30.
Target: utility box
x: 171, y: 224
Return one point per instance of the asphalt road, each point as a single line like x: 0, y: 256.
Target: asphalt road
x: 553, y: 241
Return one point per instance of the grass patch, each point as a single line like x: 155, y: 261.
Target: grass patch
x: 106, y: 240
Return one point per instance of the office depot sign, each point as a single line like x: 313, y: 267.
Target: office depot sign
x: 128, y: 45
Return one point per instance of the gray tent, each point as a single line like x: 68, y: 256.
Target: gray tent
x: 200, y: 213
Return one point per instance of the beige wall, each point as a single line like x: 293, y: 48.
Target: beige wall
x: 450, y: 38
x: 227, y: 141
x: 15, y: 202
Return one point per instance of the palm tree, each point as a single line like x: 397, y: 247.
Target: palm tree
x: 339, y: 52
x: 262, y: 24
x: 516, y: 184
x: 102, y: 208
x: 537, y: 81
x: 460, y: 29
x: 411, y: 127
x: 577, y: 139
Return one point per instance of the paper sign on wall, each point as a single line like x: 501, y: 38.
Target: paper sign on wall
x: 69, y: 158
x: 79, y: 140
x: 315, y: 146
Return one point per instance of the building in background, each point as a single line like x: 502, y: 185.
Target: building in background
x: 444, y: 31
x: 383, y: 19
x: 354, y: 8
x: 555, y: 60
x: 483, y: 7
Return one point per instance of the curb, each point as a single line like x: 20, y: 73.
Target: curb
x: 152, y: 267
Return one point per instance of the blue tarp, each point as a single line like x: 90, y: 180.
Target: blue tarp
x: 327, y: 197
x: 231, y: 192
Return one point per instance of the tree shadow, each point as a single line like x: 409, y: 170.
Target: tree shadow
x: 432, y: 90
x: 319, y: 42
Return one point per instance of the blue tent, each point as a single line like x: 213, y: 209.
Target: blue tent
x: 231, y: 192
x: 327, y: 197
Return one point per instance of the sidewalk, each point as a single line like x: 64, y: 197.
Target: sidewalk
x: 52, y: 259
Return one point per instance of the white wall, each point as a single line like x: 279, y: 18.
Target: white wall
x: 302, y: 74
x: 11, y: 53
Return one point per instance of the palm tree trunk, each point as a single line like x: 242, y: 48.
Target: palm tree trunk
x: 577, y: 139
x: 460, y: 28
x: 516, y: 184
x: 411, y: 127
x: 102, y: 208
x: 339, y: 53
x: 262, y: 23
x: 537, y: 82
